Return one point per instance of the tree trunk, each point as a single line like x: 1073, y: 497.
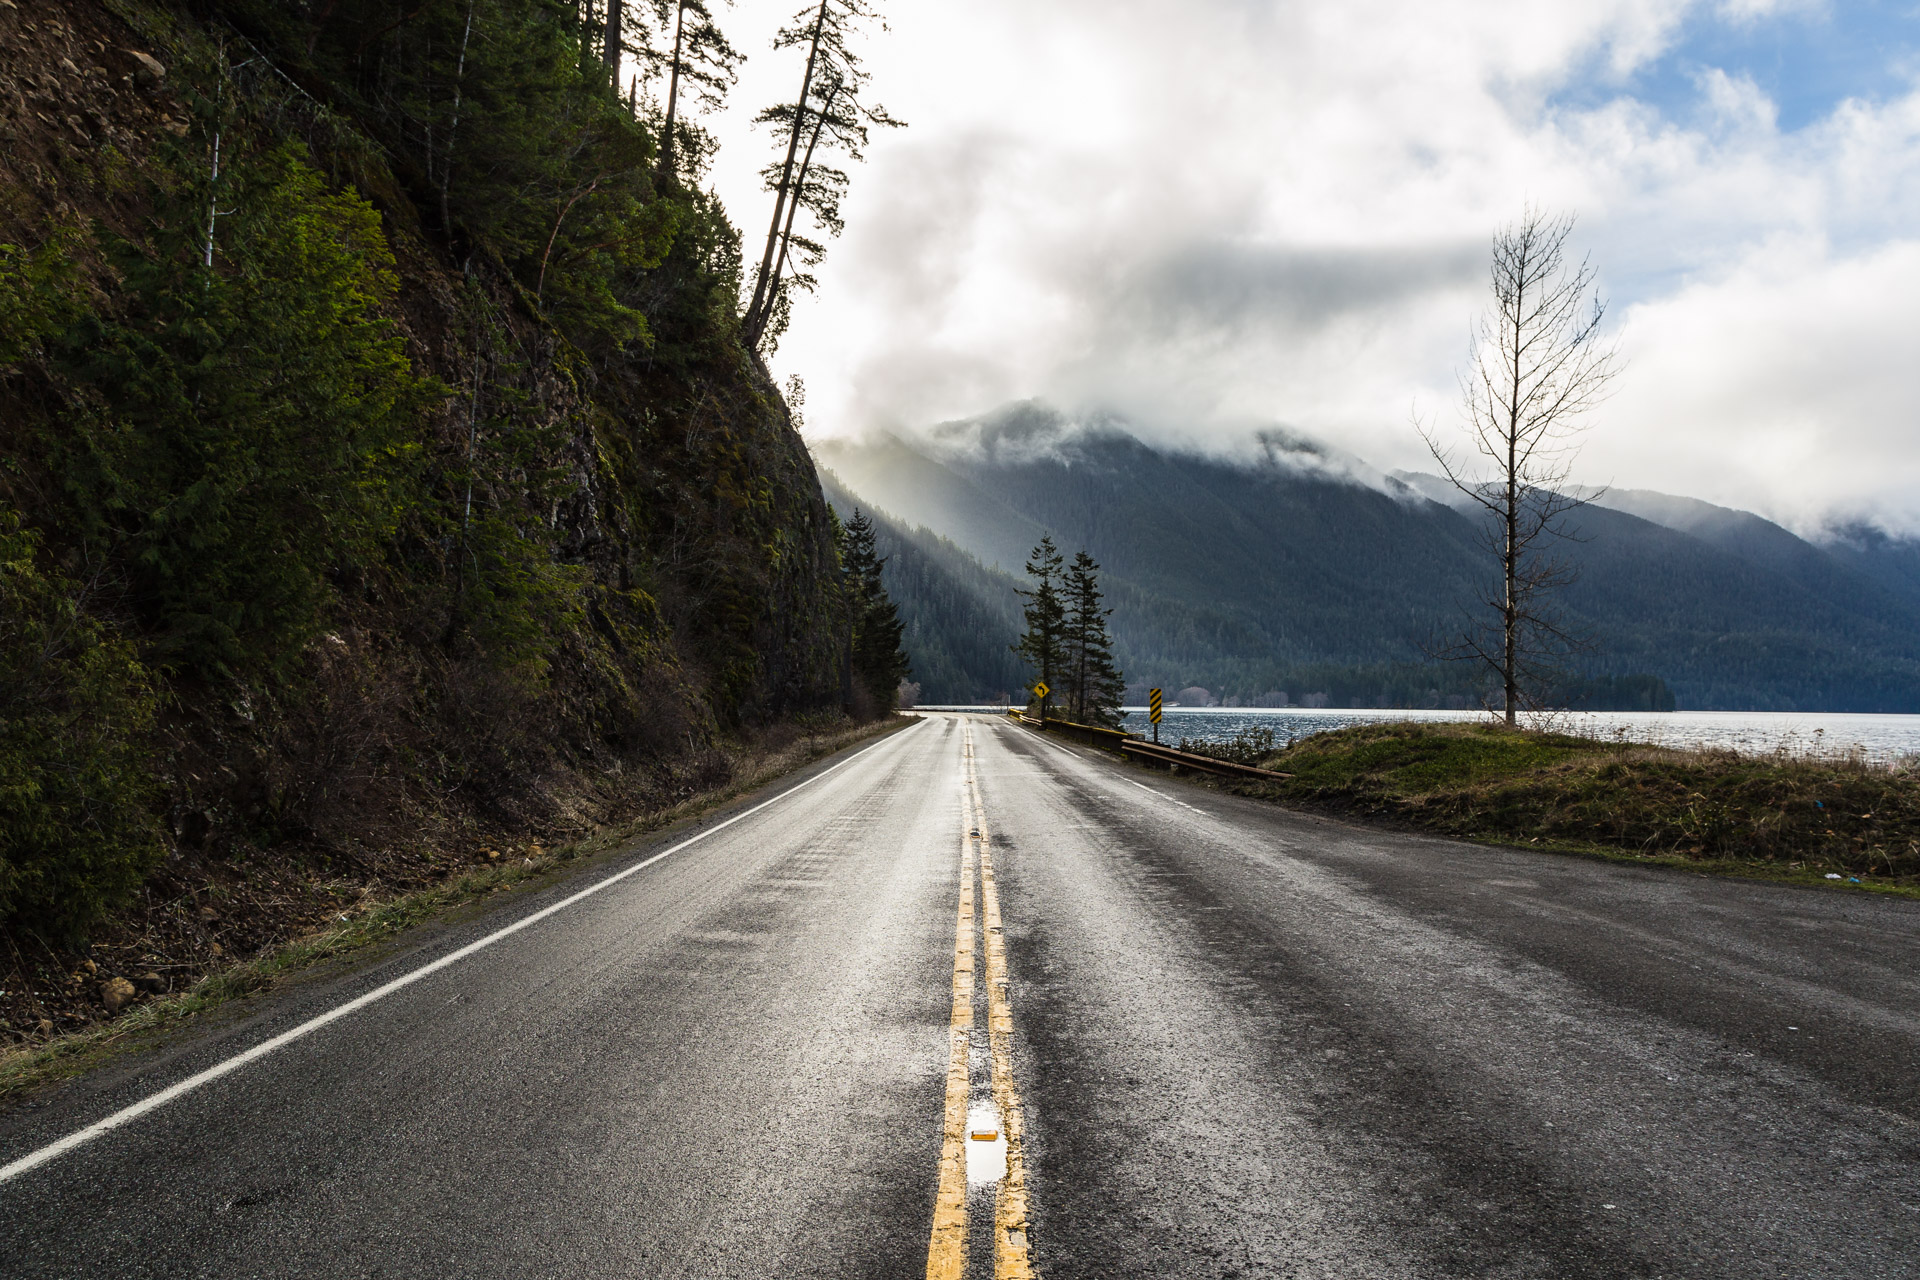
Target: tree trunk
x: 1080, y: 681
x: 756, y: 318
x: 673, y: 92
x: 610, y: 50
x: 793, y: 205
x: 1510, y: 558
x: 453, y: 127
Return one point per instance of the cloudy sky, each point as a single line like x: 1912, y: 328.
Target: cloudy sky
x: 1209, y: 215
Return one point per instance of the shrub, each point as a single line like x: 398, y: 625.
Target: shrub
x: 1251, y: 745
x: 77, y: 830
x: 244, y: 431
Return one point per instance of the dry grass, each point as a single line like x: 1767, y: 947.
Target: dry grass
x: 1785, y: 816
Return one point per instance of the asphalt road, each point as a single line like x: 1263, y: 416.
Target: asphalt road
x: 1231, y: 1041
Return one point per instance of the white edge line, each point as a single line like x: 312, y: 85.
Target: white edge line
x: 153, y: 1102
x: 1143, y: 786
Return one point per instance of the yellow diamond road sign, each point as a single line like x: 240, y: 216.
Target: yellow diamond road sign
x: 1040, y: 689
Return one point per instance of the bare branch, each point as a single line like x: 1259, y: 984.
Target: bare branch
x: 1538, y: 363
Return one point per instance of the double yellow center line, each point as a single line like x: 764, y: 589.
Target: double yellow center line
x: 947, y: 1252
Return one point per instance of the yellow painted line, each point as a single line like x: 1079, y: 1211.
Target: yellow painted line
x: 1011, y: 1236
x: 947, y: 1251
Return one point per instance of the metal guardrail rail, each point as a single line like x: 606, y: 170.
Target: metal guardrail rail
x: 1092, y: 734
x: 1148, y: 752
x: 1155, y: 754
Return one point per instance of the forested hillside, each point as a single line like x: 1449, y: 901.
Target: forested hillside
x: 385, y: 476
x: 961, y: 617
x: 1295, y: 570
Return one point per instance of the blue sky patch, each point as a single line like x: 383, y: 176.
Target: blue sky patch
x: 1807, y: 62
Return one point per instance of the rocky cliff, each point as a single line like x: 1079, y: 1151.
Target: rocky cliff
x: 384, y: 481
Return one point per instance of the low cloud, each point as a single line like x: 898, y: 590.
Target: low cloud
x: 1216, y: 214
x: 1230, y: 289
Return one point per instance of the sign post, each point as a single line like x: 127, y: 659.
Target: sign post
x: 1040, y: 691
x: 1153, y: 713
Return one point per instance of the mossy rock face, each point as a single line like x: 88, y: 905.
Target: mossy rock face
x: 430, y: 493
x: 1797, y: 816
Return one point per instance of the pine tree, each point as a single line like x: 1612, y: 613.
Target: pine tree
x: 875, y: 658
x: 1043, y: 642
x: 1095, y: 685
x: 701, y: 58
x: 828, y: 114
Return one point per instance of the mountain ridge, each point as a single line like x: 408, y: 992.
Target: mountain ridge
x: 1232, y: 572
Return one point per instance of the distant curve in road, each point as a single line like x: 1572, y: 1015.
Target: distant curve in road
x: 1084, y: 1020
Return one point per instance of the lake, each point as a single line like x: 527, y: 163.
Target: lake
x: 1884, y: 739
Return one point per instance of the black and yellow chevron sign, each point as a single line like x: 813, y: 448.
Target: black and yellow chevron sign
x: 1153, y: 705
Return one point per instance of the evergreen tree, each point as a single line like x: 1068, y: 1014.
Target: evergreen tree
x: 874, y: 655
x: 701, y: 58
x: 1095, y: 686
x: 1043, y: 643
x: 828, y: 114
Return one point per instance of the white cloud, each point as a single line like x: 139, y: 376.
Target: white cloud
x: 1218, y: 213
x: 1790, y: 376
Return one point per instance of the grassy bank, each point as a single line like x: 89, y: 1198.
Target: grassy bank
x: 1776, y: 816
x: 373, y: 918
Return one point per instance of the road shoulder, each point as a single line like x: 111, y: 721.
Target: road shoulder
x: 226, y: 1003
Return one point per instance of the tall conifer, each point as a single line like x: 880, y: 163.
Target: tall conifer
x: 1043, y: 642
x: 876, y: 660
x: 701, y: 60
x: 1095, y: 684
x: 829, y: 113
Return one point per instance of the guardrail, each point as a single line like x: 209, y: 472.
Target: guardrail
x: 1152, y: 753
x: 1140, y: 749
x: 1092, y: 735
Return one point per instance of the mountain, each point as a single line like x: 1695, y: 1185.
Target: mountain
x: 1892, y: 562
x: 961, y: 616
x: 1296, y: 568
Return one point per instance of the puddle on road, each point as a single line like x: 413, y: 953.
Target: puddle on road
x: 986, y: 1156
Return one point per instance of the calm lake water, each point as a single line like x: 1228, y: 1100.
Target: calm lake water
x: 1883, y: 739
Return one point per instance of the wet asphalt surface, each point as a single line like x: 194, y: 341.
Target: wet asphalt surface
x: 1250, y: 1043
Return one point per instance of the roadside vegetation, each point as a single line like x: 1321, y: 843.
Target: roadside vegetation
x: 388, y: 483
x: 1796, y: 817
x: 325, y: 919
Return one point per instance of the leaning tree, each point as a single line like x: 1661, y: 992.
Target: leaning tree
x: 829, y: 114
x: 697, y: 59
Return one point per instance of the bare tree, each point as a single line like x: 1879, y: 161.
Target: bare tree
x: 1539, y: 362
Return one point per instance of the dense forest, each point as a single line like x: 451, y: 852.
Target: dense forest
x: 1293, y: 570
x: 960, y: 618
x: 387, y: 473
